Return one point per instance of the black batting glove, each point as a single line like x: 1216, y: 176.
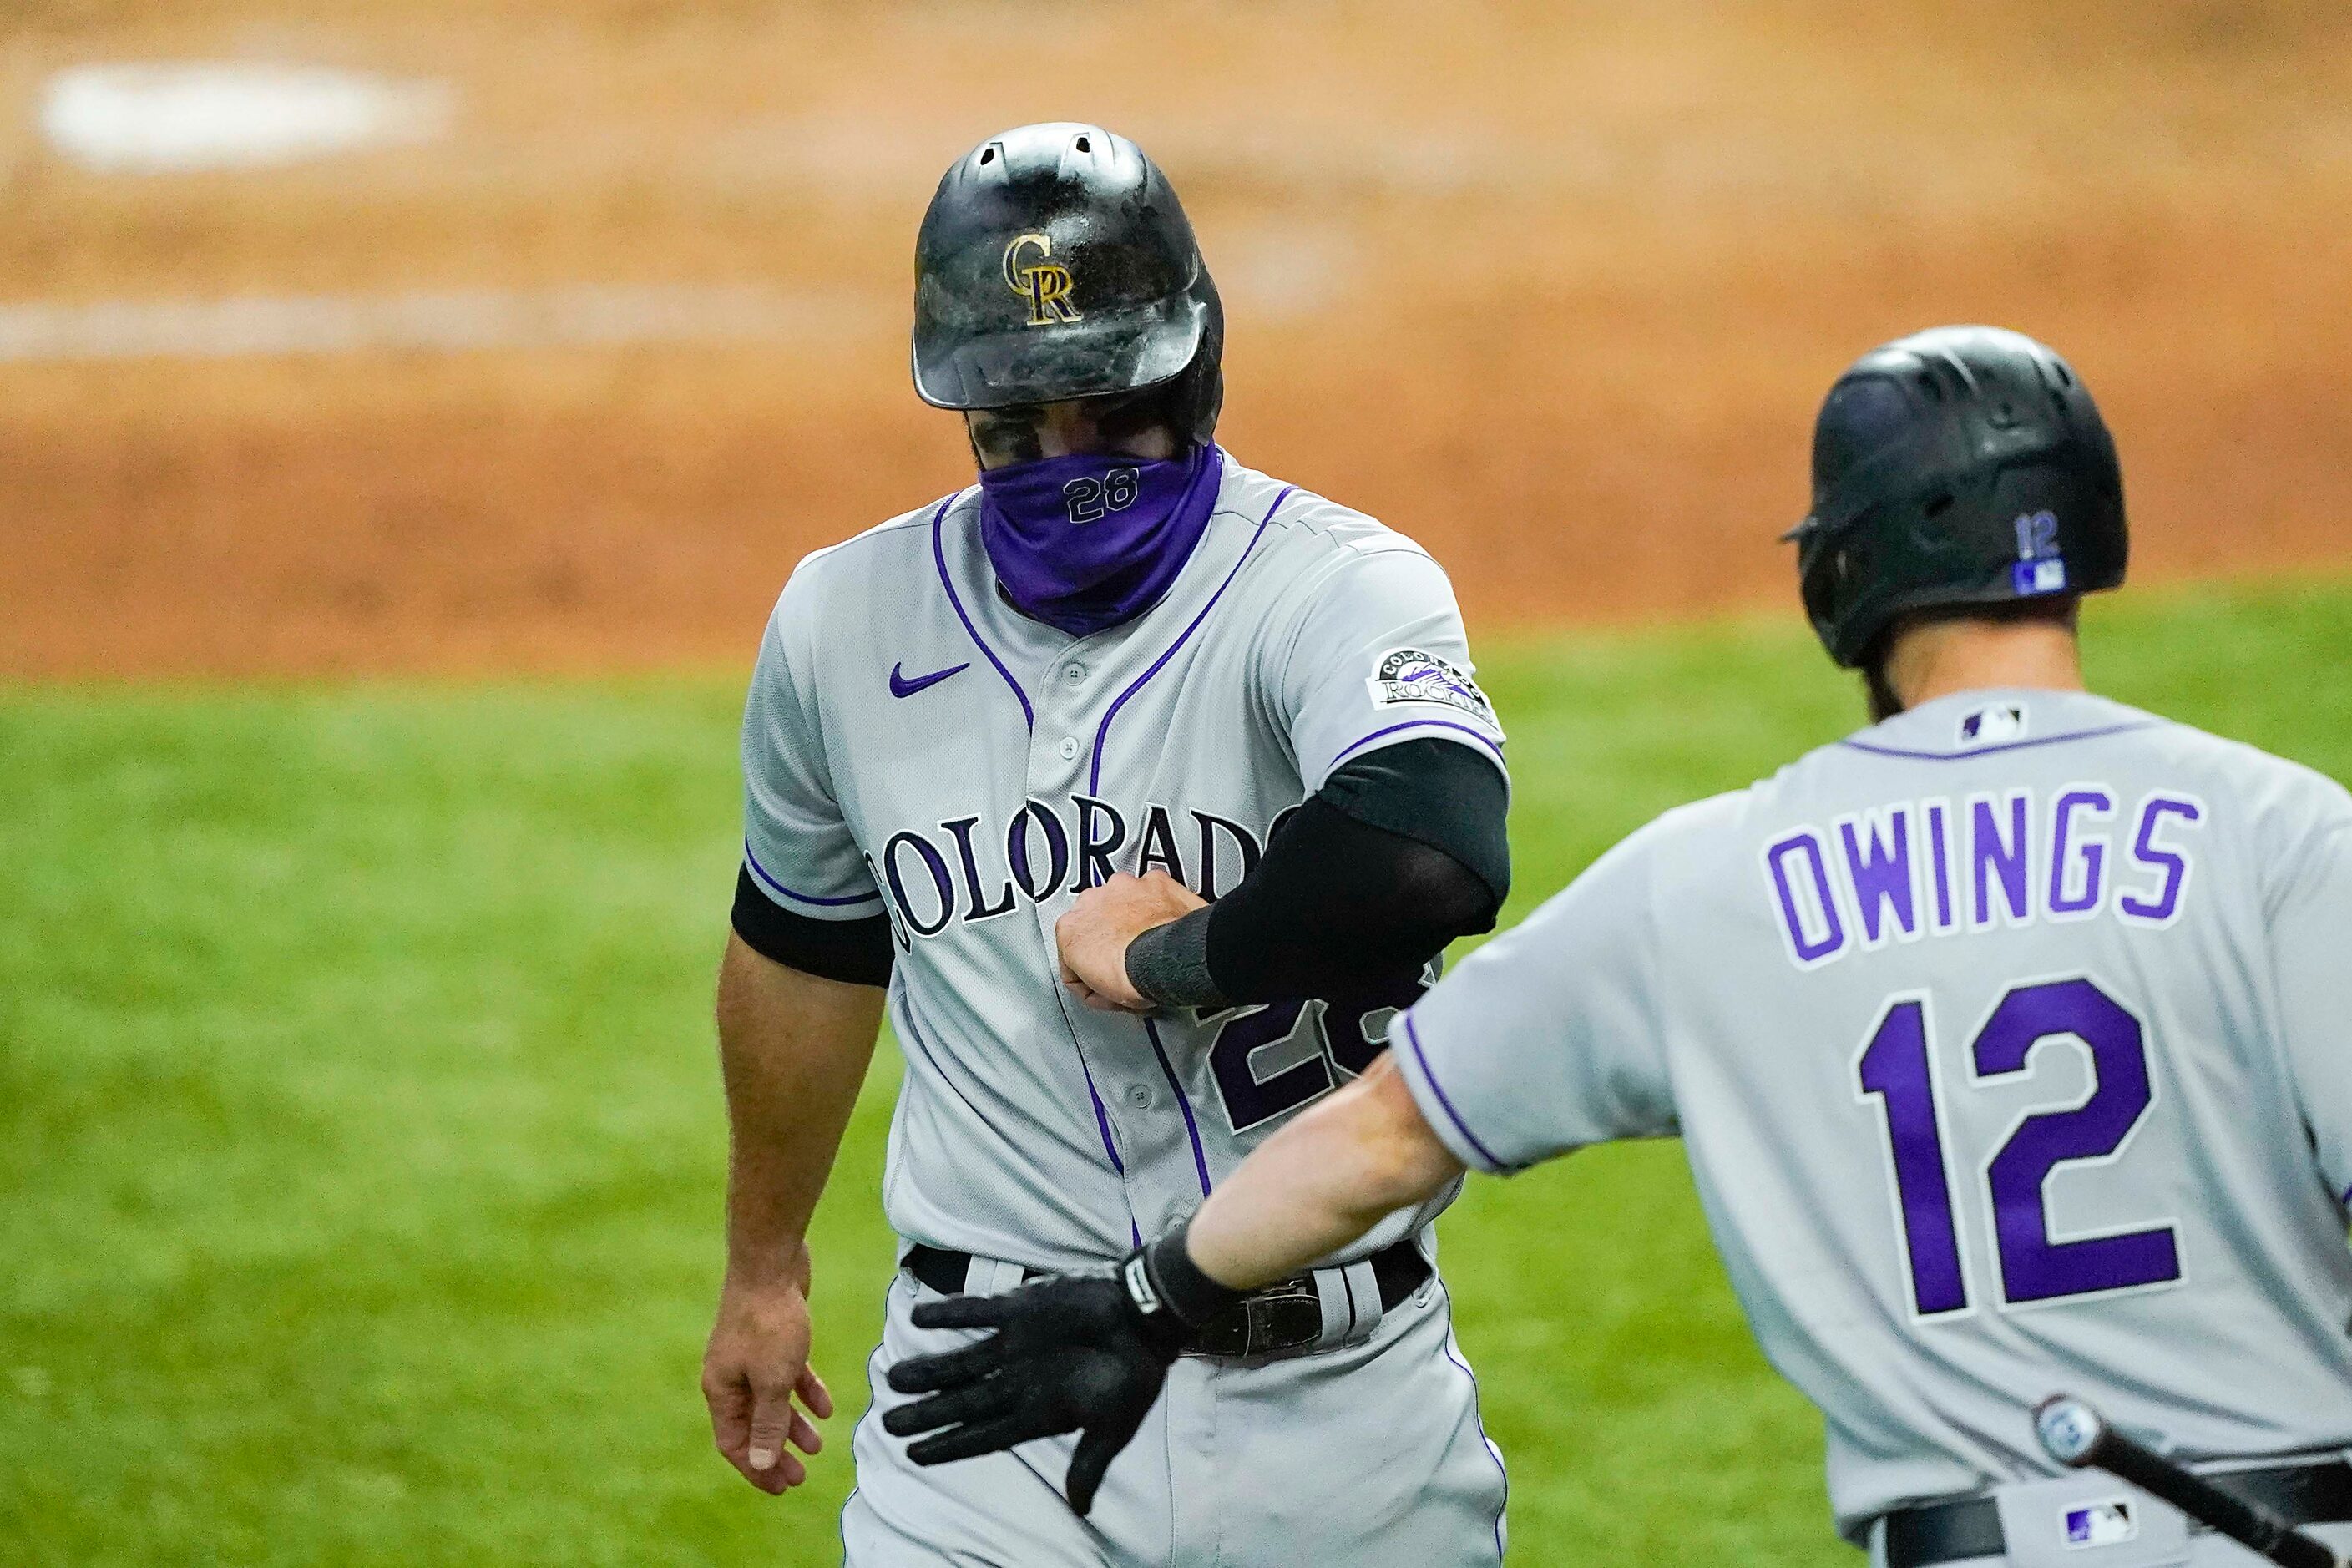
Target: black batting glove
x: 1084, y: 1355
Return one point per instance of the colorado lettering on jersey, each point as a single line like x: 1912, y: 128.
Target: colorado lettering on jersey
x: 967, y: 870
x: 1941, y: 867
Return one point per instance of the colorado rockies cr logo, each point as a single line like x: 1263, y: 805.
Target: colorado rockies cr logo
x: 1045, y: 284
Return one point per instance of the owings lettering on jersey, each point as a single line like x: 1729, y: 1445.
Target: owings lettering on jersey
x: 1940, y: 866
x: 966, y: 870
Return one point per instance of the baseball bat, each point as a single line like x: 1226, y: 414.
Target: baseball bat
x: 2076, y: 1435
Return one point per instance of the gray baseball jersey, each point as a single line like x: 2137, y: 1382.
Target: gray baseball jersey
x: 915, y: 746
x: 2011, y: 1042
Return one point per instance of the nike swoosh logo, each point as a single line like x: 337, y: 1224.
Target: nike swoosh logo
x: 900, y: 686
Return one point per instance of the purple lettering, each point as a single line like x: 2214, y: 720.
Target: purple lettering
x: 2070, y: 894
x: 1881, y: 873
x: 1939, y: 855
x: 1808, y: 948
x: 2156, y: 855
x: 2003, y: 857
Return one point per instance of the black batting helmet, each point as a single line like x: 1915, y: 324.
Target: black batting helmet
x: 1056, y: 263
x: 1958, y: 466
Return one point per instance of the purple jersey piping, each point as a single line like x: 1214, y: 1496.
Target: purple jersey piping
x: 940, y: 555
x: 1479, y: 736
x: 1183, y: 1101
x: 2005, y: 746
x: 1478, y: 1417
x: 762, y: 872
x: 1102, y: 733
x: 1102, y: 1125
x: 1413, y: 1040
x: 1102, y: 1118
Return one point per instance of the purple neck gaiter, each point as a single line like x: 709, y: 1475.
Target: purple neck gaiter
x: 1087, y: 541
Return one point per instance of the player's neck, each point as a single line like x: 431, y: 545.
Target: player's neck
x: 1948, y: 656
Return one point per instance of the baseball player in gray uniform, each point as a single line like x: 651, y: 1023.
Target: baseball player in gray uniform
x: 1120, y: 664
x: 2010, y: 1039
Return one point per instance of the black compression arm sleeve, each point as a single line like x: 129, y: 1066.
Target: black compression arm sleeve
x: 1336, y: 906
x: 1396, y: 856
x: 858, y: 952
x: 1438, y: 792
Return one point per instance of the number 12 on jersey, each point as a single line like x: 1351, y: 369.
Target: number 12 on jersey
x: 1896, y: 1069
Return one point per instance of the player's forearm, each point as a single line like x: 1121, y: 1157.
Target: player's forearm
x: 1321, y: 1183
x: 793, y: 1049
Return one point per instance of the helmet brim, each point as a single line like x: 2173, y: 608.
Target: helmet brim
x: 1106, y: 352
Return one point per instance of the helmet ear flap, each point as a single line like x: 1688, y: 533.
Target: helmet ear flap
x: 1844, y: 582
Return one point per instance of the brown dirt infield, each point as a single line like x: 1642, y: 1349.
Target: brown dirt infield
x: 1553, y: 288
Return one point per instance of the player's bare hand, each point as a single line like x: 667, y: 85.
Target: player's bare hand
x: 755, y: 1367
x: 1094, y: 935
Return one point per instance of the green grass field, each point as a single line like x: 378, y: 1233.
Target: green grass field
x: 360, y: 1142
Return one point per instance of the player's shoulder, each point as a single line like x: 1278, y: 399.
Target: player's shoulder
x: 1683, y: 839
x: 1302, y: 524
x: 854, y: 584
x: 1615, y: 901
x: 2282, y: 815
x: 2241, y: 765
x: 2286, y: 804
x: 861, y: 577
x: 1691, y: 835
x: 883, y: 548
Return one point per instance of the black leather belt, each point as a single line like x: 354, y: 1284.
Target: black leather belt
x: 1282, y: 1318
x: 1939, y: 1532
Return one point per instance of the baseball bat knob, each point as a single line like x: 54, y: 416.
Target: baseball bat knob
x: 2071, y: 1432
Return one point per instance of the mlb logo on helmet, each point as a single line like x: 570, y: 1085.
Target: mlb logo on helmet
x: 2030, y: 577
x: 2106, y: 1523
x: 2038, y: 569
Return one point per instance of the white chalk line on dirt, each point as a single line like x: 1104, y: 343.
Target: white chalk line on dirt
x: 586, y: 316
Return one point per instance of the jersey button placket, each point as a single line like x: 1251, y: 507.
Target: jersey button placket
x: 1059, y: 770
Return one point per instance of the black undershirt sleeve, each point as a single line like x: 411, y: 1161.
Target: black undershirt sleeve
x: 858, y: 951
x: 1398, y: 854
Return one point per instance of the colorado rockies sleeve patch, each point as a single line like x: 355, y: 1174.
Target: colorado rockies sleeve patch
x: 1410, y: 675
